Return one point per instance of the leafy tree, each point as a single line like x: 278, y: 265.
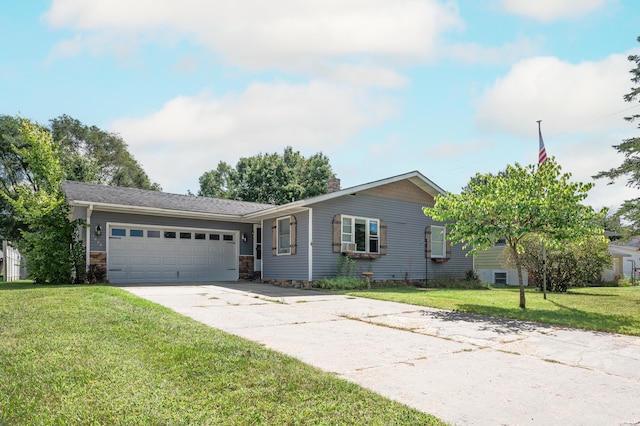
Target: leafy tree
x: 86, y: 154
x: 537, y: 199
x: 574, y: 263
x: 630, y: 167
x: 269, y: 178
x: 48, y: 239
x: 91, y: 154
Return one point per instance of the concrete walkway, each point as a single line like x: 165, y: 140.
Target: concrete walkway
x: 465, y: 369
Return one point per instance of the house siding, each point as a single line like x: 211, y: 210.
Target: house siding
x: 489, y: 261
x: 293, y: 267
x: 406, y: 224
x: 98, y: 243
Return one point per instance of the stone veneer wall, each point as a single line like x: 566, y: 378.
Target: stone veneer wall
x: 246, y: 268
x: 98, y: 258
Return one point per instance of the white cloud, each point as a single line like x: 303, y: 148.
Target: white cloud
x: 586, y: 156
x: 508, y: 53
x: 567, y: 97
x: 294, y: 35
x: 551, y: 10
x: 190, y: 135
x: 311, y: 37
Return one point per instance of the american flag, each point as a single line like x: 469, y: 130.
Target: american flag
x: 542, y: 153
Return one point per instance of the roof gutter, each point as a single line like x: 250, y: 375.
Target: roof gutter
x: 118, y: 208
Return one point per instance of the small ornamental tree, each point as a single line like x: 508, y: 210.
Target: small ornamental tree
x: 47, y: 237
x: 536, y: 199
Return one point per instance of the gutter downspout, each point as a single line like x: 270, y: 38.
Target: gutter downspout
x: 310, y: 257
x: 88, y: 237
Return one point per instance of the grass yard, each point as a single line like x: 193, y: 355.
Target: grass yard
x: 612, y: 309
x: 99, y: 355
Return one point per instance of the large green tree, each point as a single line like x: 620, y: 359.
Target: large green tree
x: 269, y: 178
x: 630, y: 167
x: 537, y: 199
x: 47, y: 236
x: 86, y: 154
x: 91, y: 154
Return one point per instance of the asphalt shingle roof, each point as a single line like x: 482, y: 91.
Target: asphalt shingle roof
x: 93, y: 193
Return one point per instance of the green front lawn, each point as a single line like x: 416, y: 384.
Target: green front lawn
x: 613, y: 309
x: 99, y: 355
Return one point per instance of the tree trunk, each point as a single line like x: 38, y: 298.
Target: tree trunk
x: 520, y: 281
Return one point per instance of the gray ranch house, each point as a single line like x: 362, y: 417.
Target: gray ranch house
x: 142, y: 236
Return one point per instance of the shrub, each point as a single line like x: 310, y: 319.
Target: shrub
x: 340, y: 283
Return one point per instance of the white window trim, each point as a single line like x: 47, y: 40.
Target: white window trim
x: 288, y: 252
x: 443, y: 242
x: 367, y: 243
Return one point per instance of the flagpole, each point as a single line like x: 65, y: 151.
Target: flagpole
x: 542, y: 157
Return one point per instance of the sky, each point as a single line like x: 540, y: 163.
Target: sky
x: 381, y: 87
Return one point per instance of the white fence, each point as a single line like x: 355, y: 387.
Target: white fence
x: 11, y: 263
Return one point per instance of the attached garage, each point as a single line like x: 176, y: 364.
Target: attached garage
x: 137, y: 254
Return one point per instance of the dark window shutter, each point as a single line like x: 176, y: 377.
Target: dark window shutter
x: 292, y: 229
x: 337, y: 233
x: 274, y: 238
x: 383, y: 237
x: 448, y: 255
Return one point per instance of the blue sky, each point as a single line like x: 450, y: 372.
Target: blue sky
x: 382, y: 87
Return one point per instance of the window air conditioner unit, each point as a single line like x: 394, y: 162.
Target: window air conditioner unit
x: 348, y: 247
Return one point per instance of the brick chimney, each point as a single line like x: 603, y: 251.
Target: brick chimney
x: 333, y: 185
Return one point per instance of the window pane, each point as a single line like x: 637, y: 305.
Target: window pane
x: 347, y: 236
x: 200, y: 236
x: 361, y: 234
x: 373, y: 228
x: 118, y: 232
x: 185, y: 235
x: 153, y: 234
x: 227, y: 237
x: 136, y: 233
x: 373, y: 245
x: 214, y: 237
x: 169, y: 234
x: 438, y: 243
x: 284, y: 235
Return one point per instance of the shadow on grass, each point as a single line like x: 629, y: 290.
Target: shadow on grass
x: 29, y: 285
x: 502, y: 323
x: 581, y: 293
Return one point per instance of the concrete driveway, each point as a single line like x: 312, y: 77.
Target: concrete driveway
x: 465, y: 369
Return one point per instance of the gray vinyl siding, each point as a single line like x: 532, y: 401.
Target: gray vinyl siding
x: 102, y: 218
x: 286, y: 267
x: 405, y: 258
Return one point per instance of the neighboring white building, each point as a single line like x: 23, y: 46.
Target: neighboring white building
x: 626, y: 261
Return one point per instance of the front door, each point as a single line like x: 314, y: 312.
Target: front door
x: 257, y: 248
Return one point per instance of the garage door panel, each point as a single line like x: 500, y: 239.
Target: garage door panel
x: 185, y: 261
x: 150, y: 259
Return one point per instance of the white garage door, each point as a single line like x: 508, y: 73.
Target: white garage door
x: 153, y: 255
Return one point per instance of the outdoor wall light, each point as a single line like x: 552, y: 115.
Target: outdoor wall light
x: 244, y: 237
x: 98, y: 230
